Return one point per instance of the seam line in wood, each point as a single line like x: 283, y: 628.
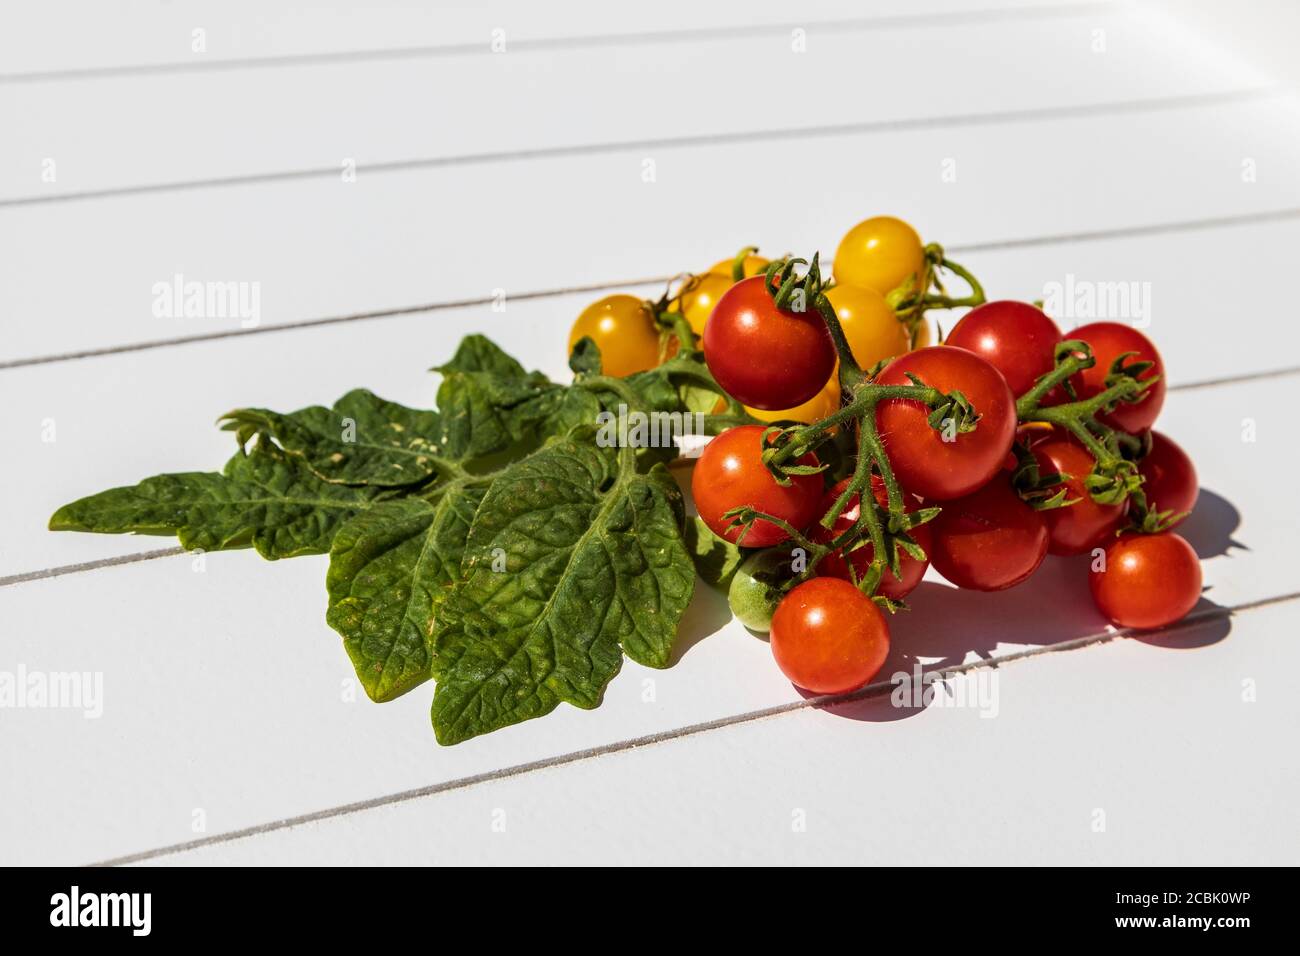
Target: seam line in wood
x: 55, y: 572
x: 1119, y: 232
x: 867, y: 127
x: 60, y: 570
x: 1193, y: 620
x: 737, y: 31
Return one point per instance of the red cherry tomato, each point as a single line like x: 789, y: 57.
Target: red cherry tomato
x: 1085, y: 524
x: 731, y: 473
x: 1110, y: 340
x: 1149, y: 580
x: 1015, y: 338
x: 989, y: 540
x: 828, y: 637
x: 924, y: 462
x: 763, y: 356
x: 1170, y: 477
x: 836, y: 564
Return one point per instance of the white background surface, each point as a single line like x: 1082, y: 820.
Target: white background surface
x: 522, y: 171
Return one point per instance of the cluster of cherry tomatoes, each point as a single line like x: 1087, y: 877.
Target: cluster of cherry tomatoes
x: 1008, y: 442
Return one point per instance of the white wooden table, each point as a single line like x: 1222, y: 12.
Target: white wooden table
x: 1112, y: 142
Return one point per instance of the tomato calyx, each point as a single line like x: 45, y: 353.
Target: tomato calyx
x: 893, y: 535
x: 670, y: 317
x: 799, y: 291
x: 1073, y: 356
x: 1114, y: 478
x: 898, y: 541
x: 1041, y: 491
x: 1122, y: 369
x: 949, y: 411
x: 1157, y: 522
x: 884, y: 528
x: 953, y: 410
x: 797, y: 285
x: 671, y: 308
x: 1145, y: 519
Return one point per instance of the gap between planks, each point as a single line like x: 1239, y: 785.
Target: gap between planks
x: 958, y: 120
x: 63, y: 569
x: 997, y: 245
x: 1193, y: 620
x: 740, y: 31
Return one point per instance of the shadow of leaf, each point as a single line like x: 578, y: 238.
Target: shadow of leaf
x: 707, y: 614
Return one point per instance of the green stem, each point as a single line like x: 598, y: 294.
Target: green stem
x: 449, y: 470
x: 1072, y: 356
x: 861, y: 486
x: 1076, y: 417
x: 861, y: 396
x: 910, y: 307
x: 876, y: 448
x: 610, y: 383
x: 692, y: 371
x: 738, y: 263
x: 944, y: 301
x: 749, y: 515
x: 862, y: 407
x: 676, y: 325
x: 851, y: 374
x: 1081, y: 420
x: 1065, y: 416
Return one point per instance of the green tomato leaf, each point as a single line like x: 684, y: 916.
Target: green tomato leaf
x: 573, y: 559
x: 585, y: 357
x: 487, y: 401
x: 483, y: 414
x: 478, y: 353
x: 386, y: 565
x: 697, y: 398
x: 656, y: 391
x: 518, y: 582
x: 264, y: 499
x: 363, y: 439
x: 557, y: 411
x: 489, y: 405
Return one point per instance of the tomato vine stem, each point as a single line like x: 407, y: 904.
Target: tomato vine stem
x: 911, y: 300
x: 861, y: 397
x: 738, y: 263
x: 1115, y: 477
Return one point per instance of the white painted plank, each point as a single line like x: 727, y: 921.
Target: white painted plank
x: 88, y: 35
x: 119, y: 418
x: 81, y: 275
x: 222, y: 688
x: 200, y: 126
x: 1152, y: 743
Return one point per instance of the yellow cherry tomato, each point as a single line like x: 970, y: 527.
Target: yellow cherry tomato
x: 822, y: 405
x: 624, y: 328
x: 870, y: 326
x: 923, y: 336
x: 879, y: 253
x: 701, y: 294
x: 753, y: 266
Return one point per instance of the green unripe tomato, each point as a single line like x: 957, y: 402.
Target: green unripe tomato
x: 755, y: 589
